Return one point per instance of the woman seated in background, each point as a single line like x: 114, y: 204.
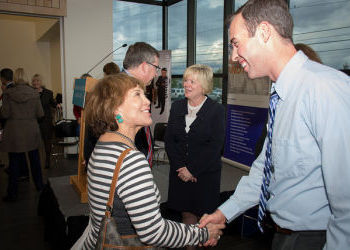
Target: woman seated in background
x: 193, y: 141
x: 116, y: 109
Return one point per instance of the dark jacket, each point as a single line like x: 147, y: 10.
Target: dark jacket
x: 200, y: 151
x: 21, y: 108
x: 47, y: 102
x: 200, y: 148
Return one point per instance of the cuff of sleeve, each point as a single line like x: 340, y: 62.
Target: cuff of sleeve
x: 203, y: 235
x: 230, y: 210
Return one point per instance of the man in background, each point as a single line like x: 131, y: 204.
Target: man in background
x: 142, y: 62
x: 162, y: 84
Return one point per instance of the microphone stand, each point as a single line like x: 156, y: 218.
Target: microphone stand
x: 124, y: 45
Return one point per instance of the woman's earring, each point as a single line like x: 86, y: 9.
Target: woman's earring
x: 119, y: 118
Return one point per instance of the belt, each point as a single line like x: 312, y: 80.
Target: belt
x: 283, y: 230
x: 288, y: 231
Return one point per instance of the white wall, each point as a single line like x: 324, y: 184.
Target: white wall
x: 20, y: 47
x: 87, y: 38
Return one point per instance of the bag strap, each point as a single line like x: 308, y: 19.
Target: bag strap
x: 114, y: 180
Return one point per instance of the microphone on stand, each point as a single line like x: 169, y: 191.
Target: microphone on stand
x: 123, y: 46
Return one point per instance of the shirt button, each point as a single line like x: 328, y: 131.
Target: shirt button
x: 272, y: 169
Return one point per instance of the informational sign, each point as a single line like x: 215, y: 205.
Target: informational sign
x: 244, y: 126
x: 247, y: 108
x: 79, y: 92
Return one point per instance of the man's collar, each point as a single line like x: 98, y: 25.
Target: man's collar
x: 288, y: 75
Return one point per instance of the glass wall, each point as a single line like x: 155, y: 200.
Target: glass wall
x: 134, y: 22
x: 209, y: 23
x: 325, y: 26
x: 209, y: 39
x: 177, y: 36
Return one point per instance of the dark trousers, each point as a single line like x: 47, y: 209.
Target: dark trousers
x: 23, y: 167
x: 46, y: 130
x: 161, y: 101
x: 300, y: 240
x: 15, y: 161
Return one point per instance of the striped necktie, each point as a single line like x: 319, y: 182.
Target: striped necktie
x: 264, y: 194
x: 149, y: 142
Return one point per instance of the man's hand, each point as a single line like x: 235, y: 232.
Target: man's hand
x: 215, y: 231
x: 217, y: 218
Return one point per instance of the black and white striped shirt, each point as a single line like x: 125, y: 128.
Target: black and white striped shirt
x: 140, y: 196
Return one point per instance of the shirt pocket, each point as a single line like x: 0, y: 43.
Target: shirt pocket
x: 287, y: 159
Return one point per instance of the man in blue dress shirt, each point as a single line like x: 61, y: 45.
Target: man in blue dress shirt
x: 309, y: 186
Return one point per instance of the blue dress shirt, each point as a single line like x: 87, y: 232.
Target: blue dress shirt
x: 310, y: 185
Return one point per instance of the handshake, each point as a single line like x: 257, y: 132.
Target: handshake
x: 214, y: 222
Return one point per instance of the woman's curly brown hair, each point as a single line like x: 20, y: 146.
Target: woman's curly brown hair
x: 108, y: 94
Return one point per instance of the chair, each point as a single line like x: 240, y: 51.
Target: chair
x: 65, y: 137
x: 159, y: 134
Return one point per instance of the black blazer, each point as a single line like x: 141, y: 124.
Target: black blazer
x: 199, y: 149
x: 47, y: 101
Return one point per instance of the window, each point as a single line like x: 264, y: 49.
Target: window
x: 209, y: 45
x: 325, y: 26
x: 177, y: 38
x: 134, y: 22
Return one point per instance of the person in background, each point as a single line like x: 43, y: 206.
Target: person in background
x: 45, y: 123
x: 308, y: 51
x: 142, y: 62
x: 162, y: 85
x: 110, y: 69
x: 7, y: 83
x: 117, y: 108
x: 302, y: 176
x: 21, y: 108
x: 193, y: 141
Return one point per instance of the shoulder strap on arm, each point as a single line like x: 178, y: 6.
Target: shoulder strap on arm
x: 115, y: 178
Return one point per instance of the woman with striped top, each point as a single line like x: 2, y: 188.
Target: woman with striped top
x: 117, y: 108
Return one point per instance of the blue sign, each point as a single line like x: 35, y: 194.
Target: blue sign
x: 243, y: 128
x: 79, y: 92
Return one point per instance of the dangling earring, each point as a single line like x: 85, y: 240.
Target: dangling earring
x: 119, y: 118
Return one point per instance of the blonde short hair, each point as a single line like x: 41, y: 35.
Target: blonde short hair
x: 203, y: 74
x: 39, y: 77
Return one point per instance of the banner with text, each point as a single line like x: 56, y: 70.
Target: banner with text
x: 247, y: 107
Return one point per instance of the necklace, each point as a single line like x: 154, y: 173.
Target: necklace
x: 193, y: 110
x: 126, y: 138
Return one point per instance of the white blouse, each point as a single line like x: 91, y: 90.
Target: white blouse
x: 192, y: 114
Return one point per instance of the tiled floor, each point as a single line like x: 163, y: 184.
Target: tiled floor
x: 22, y: 228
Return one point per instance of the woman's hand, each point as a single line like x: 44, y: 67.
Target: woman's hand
x: 215, y: 231
x: 185, y: 175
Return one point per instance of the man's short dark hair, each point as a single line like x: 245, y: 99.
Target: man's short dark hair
x: 273, y: 11
x: 138, y: 53
x: 111, y: 68
x: 164, y: 69
x: 7, y: 74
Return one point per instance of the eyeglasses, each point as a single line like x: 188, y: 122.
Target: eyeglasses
x: 157, y: 67
x: 230, y: 48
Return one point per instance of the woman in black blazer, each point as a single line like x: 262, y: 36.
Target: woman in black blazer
x: 193, y: 141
